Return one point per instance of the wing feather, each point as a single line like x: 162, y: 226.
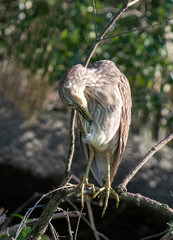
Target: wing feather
x: 124, y: 89
x: 125, y: 92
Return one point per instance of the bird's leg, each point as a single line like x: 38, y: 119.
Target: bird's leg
x: 107, y: 187
x: 84, y: 181
x: 91, y: 156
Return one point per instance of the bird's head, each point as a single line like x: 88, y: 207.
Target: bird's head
x: 71, y: 90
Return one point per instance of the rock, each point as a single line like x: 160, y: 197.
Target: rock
x: 41, y: 148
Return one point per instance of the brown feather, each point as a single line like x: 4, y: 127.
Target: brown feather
x: 105, y: 93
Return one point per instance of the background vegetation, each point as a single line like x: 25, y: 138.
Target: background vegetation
x: 48, y: 37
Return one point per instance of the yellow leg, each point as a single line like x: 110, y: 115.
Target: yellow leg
x: 84, y: 181
x: 91, y: 156
x: 107, y: 186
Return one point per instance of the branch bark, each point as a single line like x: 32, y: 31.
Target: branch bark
x: 62, y: 194
x: 140, y: 200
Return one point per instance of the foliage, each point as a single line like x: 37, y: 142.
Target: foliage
x: 48, y: 37
x: 23, y: 232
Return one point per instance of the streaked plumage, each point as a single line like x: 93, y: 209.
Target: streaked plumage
x: 105, y: 93
x: 101, y: 95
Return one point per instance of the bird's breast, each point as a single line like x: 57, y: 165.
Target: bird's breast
x: 106, y: 110
x: 102, y: 134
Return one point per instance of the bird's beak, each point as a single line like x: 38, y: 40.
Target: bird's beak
x: 83, y: 111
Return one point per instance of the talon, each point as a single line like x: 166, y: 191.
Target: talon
x: 84, y: 183
x: 109, y: 190
x: 98, y: 192
x: 116, y: 197
x: 106, y: 201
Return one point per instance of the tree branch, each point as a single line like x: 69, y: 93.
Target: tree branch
x: 94, y: 13
x: 54, y: 233
x: 91, y: 217
x: 154, y: 149
x: 128, y: 13
x: 71, y: 147
x: 128, y: 4
x: 87, y: 222
x: 137, y: 29
x: 140, y: 200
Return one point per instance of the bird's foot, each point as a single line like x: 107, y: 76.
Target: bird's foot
x: 109, y: 190
x: 82, y: 185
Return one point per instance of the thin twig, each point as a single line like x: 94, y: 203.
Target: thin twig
x: 69, y: 224
x: 19, y: 209
x: 137, y: 29
x: 115, y: 18
x: 78, y: 222
x: 30, y: 210
x: 41, y: 225
x: 73, y: 214
x: 2, y: 215
x: 23, y: 222
x: 154, y: 235
x: 126, y: 14
x: 91, y: 217
x: 87, y: 222
x: 167, y: 236
x: 53, y: 231
x: 94, y: 13
x: 71, y: 146
x: 154, y: 149
x: 132, y: 3
x: 106, y: 29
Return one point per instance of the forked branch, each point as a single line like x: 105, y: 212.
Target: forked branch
x: 99, y: 38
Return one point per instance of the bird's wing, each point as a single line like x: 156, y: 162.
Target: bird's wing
x: 126, y: 112
x: 125, y: 121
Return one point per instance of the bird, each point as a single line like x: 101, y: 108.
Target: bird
x: 101, y: 96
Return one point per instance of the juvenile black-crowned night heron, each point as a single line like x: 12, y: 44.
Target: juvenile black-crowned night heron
x: 102, y: 97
